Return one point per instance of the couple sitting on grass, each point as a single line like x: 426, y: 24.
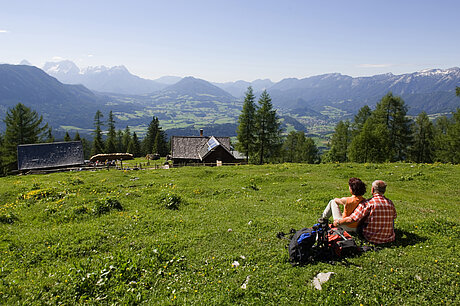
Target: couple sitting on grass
x: 372, y: 219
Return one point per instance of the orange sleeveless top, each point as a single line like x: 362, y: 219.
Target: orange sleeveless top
x: 350, y: 206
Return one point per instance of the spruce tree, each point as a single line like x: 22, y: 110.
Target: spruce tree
x: 160, y: 144
x: 268, y: 130
x: 391, y: 112
x: 246, y: 125
x: 311, y: 153
x: 23, y: 126
x: 126, y: 139
x: 457, y: 91
x: 49, y: 135
x: 98, y: 144
x: 422, y: 150
x: 290, y: 148
x: 360, y: 118
x: 77, y: 136
x: 149, y: 139
x: 454, y: 137
x: 110, y: 143
x: 67, y: 136
x: 370, y: 145
x: 339, y: 143
x: 119, y: 142
x: 86, y: 148
x: 134, y: 146
x: 441, y: 139
x: 301, y: 151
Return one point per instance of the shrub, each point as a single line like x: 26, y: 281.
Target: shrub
x: 8, y: 218
x: 80, y: 210
x: 170, y: 200
x: 103, y: 206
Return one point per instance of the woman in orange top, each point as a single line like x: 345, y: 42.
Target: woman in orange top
x: 357, y: 189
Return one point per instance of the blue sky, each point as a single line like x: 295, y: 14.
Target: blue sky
x: 233, y: 40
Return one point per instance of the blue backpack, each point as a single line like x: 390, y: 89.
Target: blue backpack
x: 300, y: 246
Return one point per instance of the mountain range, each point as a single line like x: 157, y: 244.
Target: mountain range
x: 426, y: 90
x: 185, y: 102
x: 102, y: 79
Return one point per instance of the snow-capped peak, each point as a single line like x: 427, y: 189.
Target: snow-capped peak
x: 63, y: 67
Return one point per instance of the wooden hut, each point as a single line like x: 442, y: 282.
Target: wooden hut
x: 50, y: 155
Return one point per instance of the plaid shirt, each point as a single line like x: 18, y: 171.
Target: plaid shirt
x: 376, y: 217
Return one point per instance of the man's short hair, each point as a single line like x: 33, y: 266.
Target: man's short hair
x: 379, y: 186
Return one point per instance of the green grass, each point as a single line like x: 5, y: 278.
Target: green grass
x: 171, y: 236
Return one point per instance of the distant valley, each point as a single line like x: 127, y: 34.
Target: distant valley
x: 184, y: 105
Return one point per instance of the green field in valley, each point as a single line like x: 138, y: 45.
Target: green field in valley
x: 174, y: 236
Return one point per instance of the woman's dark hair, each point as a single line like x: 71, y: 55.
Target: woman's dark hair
x: 357, y: 186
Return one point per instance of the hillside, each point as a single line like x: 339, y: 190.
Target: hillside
x: 429, y: 90
x: 156, y: 237
x: 238, y: 88
x: 58, y: 103
x: 190, y: 87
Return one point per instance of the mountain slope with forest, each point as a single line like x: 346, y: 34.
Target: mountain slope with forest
x: 58, y: 103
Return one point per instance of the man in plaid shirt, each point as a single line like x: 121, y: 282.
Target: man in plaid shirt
x: 375, y: 216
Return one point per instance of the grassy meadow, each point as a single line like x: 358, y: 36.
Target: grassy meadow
x: 201, y: 235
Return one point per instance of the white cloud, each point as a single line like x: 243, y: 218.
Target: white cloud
x: 374, y: 65
x: 4, y: 31
x: 90, y: 55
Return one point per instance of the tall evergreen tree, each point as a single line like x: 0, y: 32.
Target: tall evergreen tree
x: 160, y: 143
x: 360, y: 118
x: 49, y: 135
x: 391, y: 112
x: 111, y: 141
x: 457, y: 91
x: 126, y: 139
x: 134, y: 146
x: 422, y: 150
x: 67, y: 136
x: 290, y: 148
x: 311, y: 153
x: 149, y: 139
x: 340, y: 142
x: 300, y: 149
x: 77, y: 136
x: 246, y: 125
x: 268, y: 130
x: 119, y: 143
x: 98, y: 144
x: 454, y: 137
x: 441, y: 139
x: 23, y: 126
x: 370, y: 145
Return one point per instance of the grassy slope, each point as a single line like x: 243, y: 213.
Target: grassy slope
x: 59, y: 250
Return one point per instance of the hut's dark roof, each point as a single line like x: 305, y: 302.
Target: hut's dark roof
x: 50, y: 155
x: 189, y: 147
